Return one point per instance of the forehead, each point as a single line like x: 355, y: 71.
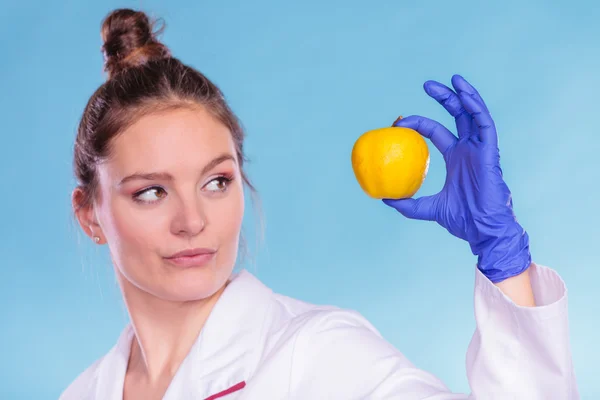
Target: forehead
x: 185, y: 138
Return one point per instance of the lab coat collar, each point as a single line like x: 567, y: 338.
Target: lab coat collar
x: 224, y: 356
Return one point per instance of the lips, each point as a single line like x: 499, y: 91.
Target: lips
x: 192, y: 252
x: 191, y: 257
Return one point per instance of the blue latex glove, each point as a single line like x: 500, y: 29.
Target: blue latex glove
x: 475, y: 203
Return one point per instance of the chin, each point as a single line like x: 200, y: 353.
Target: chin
x: 196, y: 283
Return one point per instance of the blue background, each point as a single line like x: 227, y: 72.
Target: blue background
x: 307, y: 79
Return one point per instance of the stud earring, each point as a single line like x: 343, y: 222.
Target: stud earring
x: 97, y: 239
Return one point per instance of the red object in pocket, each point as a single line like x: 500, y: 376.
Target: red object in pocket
x: 234, y: 388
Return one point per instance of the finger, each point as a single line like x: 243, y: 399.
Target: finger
x: 441, y: 137
x: 451, y: 102
x: 422, y: 208
x: 483, y: 119
x: 460, y: 84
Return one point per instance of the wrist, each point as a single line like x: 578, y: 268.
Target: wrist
x: 504, y: 256
x: 518, y: 289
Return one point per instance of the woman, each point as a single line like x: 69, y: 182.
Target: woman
x: 159, y: 160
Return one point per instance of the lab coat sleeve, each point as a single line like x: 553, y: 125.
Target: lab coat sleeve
x: 515, y: 353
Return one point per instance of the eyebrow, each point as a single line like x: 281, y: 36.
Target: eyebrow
x: 165, y: 176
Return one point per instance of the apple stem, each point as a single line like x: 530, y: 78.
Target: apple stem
x: 397, y: 119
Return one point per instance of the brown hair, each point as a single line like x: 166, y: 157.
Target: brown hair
x: 143, y: 77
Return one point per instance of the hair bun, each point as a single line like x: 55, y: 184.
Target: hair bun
x: 129, y: 41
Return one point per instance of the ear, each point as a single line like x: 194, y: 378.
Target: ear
x: 86, y: 216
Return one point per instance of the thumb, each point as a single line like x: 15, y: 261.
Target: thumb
x: 422, y: 208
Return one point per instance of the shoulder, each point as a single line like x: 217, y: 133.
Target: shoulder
x: 325, y: 332
x: 84, y: 384
x: 326, y: 351
x: 331, y: 333
x: 338, y: 352
x: 311, y: 315
x: 89, y: 383
x: 309, y: 319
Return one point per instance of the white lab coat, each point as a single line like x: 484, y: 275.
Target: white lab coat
x: 259, y: 345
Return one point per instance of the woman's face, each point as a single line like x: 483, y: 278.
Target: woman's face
x: 172, y: 184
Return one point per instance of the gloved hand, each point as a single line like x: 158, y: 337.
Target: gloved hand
x: 475, y: 203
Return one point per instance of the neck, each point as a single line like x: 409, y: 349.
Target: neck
x: 165, y: 331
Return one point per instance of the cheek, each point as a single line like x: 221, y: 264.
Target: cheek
x: 133, y: 229
x: 226, y: 217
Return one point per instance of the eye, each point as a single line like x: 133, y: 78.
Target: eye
x: 219, y: 184
x: 150, y: 195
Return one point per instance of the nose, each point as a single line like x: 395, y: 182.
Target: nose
x: 190, y: 218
